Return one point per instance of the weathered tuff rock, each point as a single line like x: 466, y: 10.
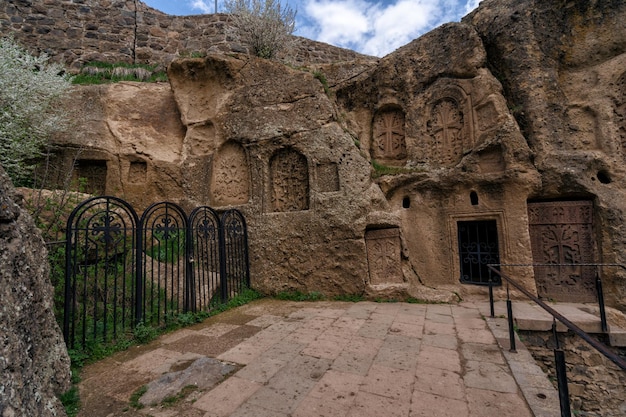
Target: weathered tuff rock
x: 495, y: 140
x: 34, y: 365
x: 563, y: 69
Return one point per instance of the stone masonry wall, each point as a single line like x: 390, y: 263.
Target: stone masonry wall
x: 79, y: 31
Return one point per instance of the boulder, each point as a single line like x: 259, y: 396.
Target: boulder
x: 34, y: 364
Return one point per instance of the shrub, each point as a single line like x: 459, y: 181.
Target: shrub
x: 265, y: 26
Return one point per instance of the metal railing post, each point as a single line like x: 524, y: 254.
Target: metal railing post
x: 605, y: 327
x: 561, y: 374
x: 509, y: 311
x: 491, y: 306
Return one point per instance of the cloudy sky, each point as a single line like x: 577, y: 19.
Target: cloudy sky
x: 367, y: 26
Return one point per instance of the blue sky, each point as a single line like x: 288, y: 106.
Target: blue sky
x: 370, y: 27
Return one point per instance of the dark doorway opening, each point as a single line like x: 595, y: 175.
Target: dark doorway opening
x: 478, y: 247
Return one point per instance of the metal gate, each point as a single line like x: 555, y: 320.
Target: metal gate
x: 122, y: 269
x: 478, y: 247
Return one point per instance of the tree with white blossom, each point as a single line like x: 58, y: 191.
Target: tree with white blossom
x: 31, y: 89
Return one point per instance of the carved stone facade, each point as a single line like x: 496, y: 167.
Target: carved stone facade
x: 466, y: 144
x: 231, y: 176
x: 289, y: 180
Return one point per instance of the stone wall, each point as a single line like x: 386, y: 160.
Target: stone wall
x: 79, y: 31
x: 596, y: 385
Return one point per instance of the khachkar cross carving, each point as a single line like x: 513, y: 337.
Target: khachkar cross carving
x: 562, y: 243
x: 290, y: 182
x: 231, y: 178
x: 446, y: 126
x: 389, y: 140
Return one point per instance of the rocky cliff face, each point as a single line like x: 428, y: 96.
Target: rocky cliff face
x: 563, y: 69
x: 495, y: 140
x: 34, y: 366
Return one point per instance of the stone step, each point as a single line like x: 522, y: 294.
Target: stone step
x: 529, y: 316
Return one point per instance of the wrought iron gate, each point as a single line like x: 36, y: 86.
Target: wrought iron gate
x: 122, y: 269
x: 478, y: 247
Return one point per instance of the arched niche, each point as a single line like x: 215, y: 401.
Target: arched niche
x: 450, y: 125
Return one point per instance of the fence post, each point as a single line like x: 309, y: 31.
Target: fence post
x: 222, y: 252
x: 509, y: 311
x: 561, y: 374
x: 139, y: 256
x: 605, y: 328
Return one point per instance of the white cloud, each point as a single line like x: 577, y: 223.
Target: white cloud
x: 338, y: 22
x: 202, y: 6
x: 377, y: 27
x: 400, y: 23
x: 373, y: 27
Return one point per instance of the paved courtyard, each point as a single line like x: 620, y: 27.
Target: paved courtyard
x: 334, y: 359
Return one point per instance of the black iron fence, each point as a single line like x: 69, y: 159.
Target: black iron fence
x: 123, y: 270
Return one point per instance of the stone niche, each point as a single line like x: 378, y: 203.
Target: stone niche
x: 289, y: 181
x: 90, y: 175
x: 450, y: 126
x: 388, y: 136
x: 230, y: 182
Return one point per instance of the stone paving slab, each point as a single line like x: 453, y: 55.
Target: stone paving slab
x: 344, y: 359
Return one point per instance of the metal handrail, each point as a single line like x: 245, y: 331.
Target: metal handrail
x: 559, y: 354
x: 600, y: 347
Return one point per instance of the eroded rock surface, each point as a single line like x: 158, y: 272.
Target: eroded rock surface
x: 34, y: 366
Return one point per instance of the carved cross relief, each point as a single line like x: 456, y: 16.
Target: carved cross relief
x: 388, y: 132
x: 289, y: 181
x: 446, y: 128
x: 231, y: 178
x: 562, y: 240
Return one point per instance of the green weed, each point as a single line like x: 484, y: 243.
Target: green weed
x: 300, y: 296
x: 135, y: 396
x: 104, y: 72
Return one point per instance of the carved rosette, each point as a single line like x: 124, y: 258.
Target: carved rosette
x: 289, y: 174
x: 231, y: 177
x: 388, y: 135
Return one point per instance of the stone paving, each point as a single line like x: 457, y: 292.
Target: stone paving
x: 336, y: 359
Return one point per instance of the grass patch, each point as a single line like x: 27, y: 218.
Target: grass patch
x: 141, y: 334
x: 104, y: 73
x: 71, y: 401
x: 319, y: 75
x: 352, y: 298
x: 174, y: 399
x: 300, y: 296
x: 135, y: 396
x: 381, y: 169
